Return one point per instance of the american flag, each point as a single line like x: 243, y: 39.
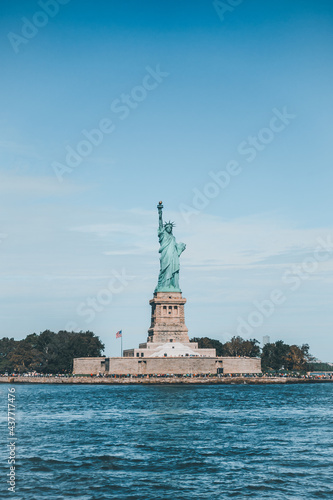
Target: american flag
x: 119, y: 334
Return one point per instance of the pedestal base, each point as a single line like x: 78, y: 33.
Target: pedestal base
x: 167, y: 318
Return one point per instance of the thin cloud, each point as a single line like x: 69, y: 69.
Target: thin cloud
x: 38, y: 185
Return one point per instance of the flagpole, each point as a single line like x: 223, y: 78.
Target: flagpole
x: 121, y: 345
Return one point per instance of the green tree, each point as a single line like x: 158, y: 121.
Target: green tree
x: 26, y: 356
x: 318, y: 366
x: 280, y: 355
x: 7, y: 346
x: 274, y: 355
x: 237, y: 346
x: 60, y: 349
x: 206, y: 343
x: 48, y: 352
x: 296, y: 359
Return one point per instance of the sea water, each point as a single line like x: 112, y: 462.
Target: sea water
x: 169, y: 442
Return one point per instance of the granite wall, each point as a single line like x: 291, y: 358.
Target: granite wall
x: 181, y: 365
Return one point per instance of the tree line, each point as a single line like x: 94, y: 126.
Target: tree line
x: 274, y: 356
x: 51, y: 352
x: 47, y: 352
x: 235, y: 347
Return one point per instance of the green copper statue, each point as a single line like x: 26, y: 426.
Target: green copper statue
x: 170, y: 251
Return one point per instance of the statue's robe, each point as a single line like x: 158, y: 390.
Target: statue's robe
x: 169, y: 260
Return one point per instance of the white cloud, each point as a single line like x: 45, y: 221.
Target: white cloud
x: 36, y: 185
x: 18, y: 149
x: 213, y: 244
x: 102, y: 230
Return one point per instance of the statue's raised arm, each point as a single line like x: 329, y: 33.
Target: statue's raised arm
x: 160, y: 217
x: 170, y: 251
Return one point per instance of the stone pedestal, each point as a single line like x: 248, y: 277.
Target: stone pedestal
x: 167, y: 318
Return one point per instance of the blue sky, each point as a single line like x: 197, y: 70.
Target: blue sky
x: 223, y: 80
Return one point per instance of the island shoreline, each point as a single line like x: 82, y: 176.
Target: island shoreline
x: 86, y: 380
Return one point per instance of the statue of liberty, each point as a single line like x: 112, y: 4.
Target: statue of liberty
x: 170, y: 251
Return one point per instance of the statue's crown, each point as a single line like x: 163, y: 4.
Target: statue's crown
x: 172, y: 224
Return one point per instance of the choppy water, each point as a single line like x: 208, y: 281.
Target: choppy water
x: 171, y: 442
